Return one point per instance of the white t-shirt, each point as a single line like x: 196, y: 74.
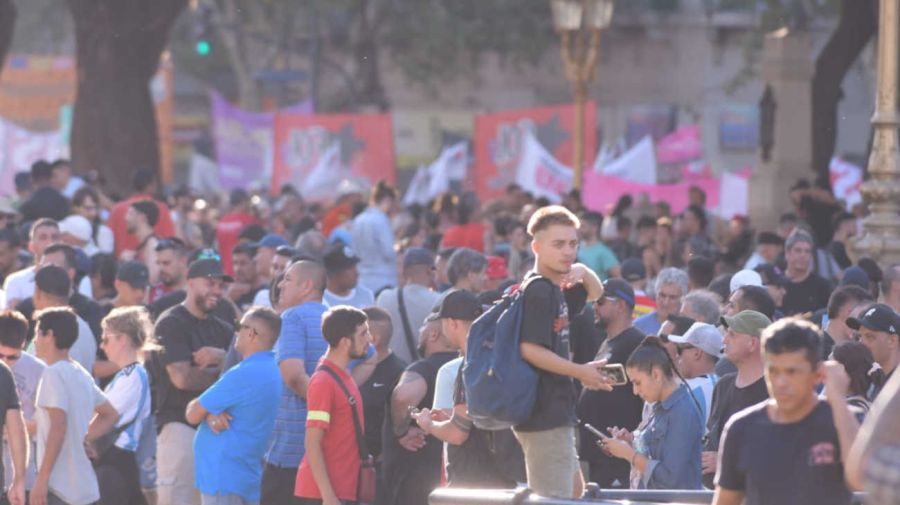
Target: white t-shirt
x: 27, y: 372
x: 262, y: 298
x: 67, y: 386
x: 19, y: 286
x: 359, y: 297
x: 443, y: 386
x: 129, y: 393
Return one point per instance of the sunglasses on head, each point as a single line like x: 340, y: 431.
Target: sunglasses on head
x: 169, y: 243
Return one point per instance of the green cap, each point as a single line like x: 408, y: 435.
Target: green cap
x: 750, y: 322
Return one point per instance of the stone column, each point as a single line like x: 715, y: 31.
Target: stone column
x: 881, y: 236
x: 787, y: 68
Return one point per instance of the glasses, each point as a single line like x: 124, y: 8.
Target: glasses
x: 170, y: 243
x: 683, y: 347
x: 602, y: 301
x: 208, y: 254
x: 11, y: 357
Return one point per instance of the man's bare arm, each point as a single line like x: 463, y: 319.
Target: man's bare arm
x: 192, y: 378
x: 881, y: 427
x: 293, y: 374
x: 410, y: 391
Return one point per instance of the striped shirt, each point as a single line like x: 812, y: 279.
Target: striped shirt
x: 129, y: 394
x: 300, y: 338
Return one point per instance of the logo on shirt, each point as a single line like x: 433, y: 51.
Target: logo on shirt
x: 822, y: 454
x: 377, y: 384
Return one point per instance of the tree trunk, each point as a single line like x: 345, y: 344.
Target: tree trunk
x: 118, y: 47
x: 368, y: 71
x: 226, y: 15
x: 7, y: 24
x: 857, y: 25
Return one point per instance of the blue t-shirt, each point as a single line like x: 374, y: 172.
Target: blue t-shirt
x: 231, y: 462
x: 648, y: 324
x: 300, y: 338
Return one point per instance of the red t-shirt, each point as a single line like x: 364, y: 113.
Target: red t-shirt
x: 227, y: 231
x: 165, y: 227
x: 465, y: 235
x: 330, y: 410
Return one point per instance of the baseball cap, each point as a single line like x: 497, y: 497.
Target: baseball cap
x: 769, y: 238
x: 618, y: 288
x: 681, y: 325
x: 878, y: 317
x: 771, y: 274
x: 496, y: 268
x: 339, y: 257
x: 77, y: 226
x: 633, y: 270
x: 705, y: 337
x: 417, y: 256
x: 750, y: 322
x: 855, y: 276
x: 272, y: 240
x: 210, y: 268
x: 460, y: 304
x: 745, y: 278
x: 134, y: 273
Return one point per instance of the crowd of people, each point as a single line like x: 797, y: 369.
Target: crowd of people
x: 177, y: 349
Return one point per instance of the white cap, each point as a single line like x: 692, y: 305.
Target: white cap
x: 745, y: 278
x: 705, y: 337
x: 77, y: 226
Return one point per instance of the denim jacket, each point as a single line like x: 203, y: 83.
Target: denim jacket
x: 672, y: 443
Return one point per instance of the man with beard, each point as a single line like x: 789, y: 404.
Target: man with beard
x: 171, y: 267
x: 192, y: 345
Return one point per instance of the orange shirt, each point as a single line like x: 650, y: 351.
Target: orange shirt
x: 123, y: 241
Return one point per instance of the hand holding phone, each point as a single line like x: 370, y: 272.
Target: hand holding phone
x: 615, y: 372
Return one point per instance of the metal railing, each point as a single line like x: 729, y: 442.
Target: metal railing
x: 594, y: 495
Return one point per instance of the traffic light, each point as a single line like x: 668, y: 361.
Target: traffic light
x: 201, y: 29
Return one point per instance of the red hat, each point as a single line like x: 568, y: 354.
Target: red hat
x: 496, y: 268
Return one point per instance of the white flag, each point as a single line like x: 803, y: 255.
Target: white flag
x: 323, y: 180
x: 638, y: 164
x: 540, y: 173
x: 417, y: 193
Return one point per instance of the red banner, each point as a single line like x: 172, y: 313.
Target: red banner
x: 499, y: 138
x: 365, y: 143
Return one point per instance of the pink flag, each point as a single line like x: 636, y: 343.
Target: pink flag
x: 681, y: 146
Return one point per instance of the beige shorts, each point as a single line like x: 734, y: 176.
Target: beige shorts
x: 550, y: 460
x: 175, y: 483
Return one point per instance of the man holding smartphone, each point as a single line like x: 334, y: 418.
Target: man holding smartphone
x: 619, y: 407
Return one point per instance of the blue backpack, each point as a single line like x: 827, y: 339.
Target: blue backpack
x: 501, y: 387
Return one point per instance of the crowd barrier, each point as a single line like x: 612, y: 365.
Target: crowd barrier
x: 594, y: 495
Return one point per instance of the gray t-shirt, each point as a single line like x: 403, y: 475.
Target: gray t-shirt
x: 9, y: 399
x: 65, y: 385
x: 420, y: 301
x: 27, y: 373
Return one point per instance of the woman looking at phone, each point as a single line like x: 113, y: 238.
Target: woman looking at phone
x: 666, y: 453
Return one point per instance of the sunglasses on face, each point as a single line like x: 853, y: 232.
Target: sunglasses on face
x: 602, y: 301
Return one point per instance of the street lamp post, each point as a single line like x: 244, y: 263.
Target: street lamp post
x: 881, y: 236
x: 579, y: 23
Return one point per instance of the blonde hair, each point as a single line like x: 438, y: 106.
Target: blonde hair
x: 546, y: 217
x: 134, y: 322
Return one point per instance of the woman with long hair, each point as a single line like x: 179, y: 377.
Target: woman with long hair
x: 864, y: 375
x: 666, y: 452
x: 126, y: 333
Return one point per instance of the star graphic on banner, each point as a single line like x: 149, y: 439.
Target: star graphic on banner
x: 350, y: 145
x: 551, y: 134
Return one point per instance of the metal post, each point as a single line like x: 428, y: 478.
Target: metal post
x: 881, y: 236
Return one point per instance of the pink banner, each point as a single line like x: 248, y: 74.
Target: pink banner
x: 680, y: 146
x: 602, y: 191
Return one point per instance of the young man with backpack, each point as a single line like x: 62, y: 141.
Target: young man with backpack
x: 548, y: 436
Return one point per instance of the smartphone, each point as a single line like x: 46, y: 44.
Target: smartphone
x: 616, y: 373
x: 413, y: 412
x: 601, y: 435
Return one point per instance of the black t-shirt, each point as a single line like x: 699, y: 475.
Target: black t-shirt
x: 487, y: 459
x: 409, y: 477
x: 375, y: 394
x: 246, y: 301
x: 783, y: 464
x: 619, y: 407
x: 45, y: 202
x: 727, y: 400
x: 809, y: 295
x: 546, y: 323
x: 224, y: 310
x: 179, y: 334
x: 87, y: 309
x: 9, y: 398
x: 586, y: 336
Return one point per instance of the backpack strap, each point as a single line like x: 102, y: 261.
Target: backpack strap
x: 407, y: 329
x: 357, y: 425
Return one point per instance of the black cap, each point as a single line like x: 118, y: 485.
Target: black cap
x: 771, y: 274
x: 769, y: 238
x: 633, y: 270
x: 339, y: 257
x: 209, y: 268
x: 682, y: 325
x: 135, y: 273
x: 619, y: 288
x: 878, y: 317
x: 460, y: 304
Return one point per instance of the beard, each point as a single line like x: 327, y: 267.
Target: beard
x: 359, y: 354
x: 206, y: 303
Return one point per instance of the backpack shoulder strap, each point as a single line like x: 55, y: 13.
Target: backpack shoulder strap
x: 357, y: 425
x: 407, y: 328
